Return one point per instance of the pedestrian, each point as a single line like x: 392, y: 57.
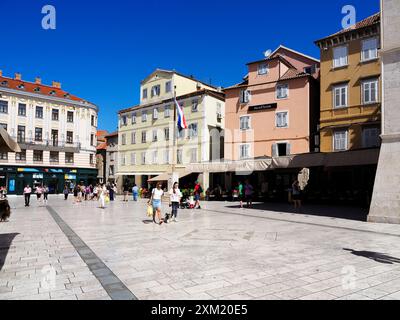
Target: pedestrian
x: 248, y: 193
x: 296, y: 194
x: 115, y: 189
x: 46, y: 194
x: 66, y: 192
x: 135, y: 192
x: 27, y: 195
x: 241, y: 193
x: 39, y: 193
x: 102, y: 196
x: 126, y: 192
x: 198, y: 190
x: 175, y: 198
x: 155, y: 200
x: 76, y: 191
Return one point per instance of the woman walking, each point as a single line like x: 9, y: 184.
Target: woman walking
x: 102, y: 193
x: 175, y: 198
x: 46, y: 194
x: 66, y: 192
x: 296, y: 194
x: 155, y: 200
x: 248, y: 192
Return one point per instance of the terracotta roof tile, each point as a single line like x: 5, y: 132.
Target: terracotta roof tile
x: 292, y: 74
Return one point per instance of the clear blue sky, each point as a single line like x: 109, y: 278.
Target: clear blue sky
x: 101, y: 50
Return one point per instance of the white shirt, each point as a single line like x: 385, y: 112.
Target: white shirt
x: 27, y: 190
x: 175, y: 197
x: 157, y: 194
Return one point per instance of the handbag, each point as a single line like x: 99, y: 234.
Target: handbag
x: 150, y: 211
x: 107, y: 199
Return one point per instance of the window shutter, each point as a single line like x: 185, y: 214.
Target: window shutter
x: 275, y: 150
x: 288, y: 147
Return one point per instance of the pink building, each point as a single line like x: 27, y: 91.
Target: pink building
x: 275, y: 110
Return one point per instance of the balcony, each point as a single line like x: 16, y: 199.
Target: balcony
x: 48, y: 145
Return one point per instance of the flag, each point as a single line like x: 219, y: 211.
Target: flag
x: 181, y: 117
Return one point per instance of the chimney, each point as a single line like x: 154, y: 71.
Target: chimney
x: 18, y: 76
x: 38, y: 80
x: 56, y: 85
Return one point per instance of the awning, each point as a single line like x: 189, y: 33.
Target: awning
x: 165, y: 176
x: 7, y: 144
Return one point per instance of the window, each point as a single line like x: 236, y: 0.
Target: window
x: 219, y: 112
x: 155, y: 114
x: 371, y: 137
x: 22, y: 110
x: 244, y: 151
x: 193, y: 132
x: 311, y: 69
x: 92, y: 140
x: 20, y: 156
x: 195, y: 105
x: 144, y: 116
x: 144, y: 136
x: 245, y: 96
x: 92, y: 120
x: 123, y: 139
x: 168, y: 87
x: 340, y: 96
x: 3, y: 106
x: 133, y: 118
x: 155, y: 138
x: 123, y: 160
x: 166, y: 134
x: 282, y: 119
x: 155, y: 157
x: 3, y: 155
x: 39, y: 113
x: 70, y: 116
x: 69, y: 157
x: 133, y: 138
x: 37, y: 155
x: 54, y: 114
x: 21, y: 134
x: 340, y: 140
x: 4, y: 126
x: 70, y: 137
x: 54, y: 157
x: 124, y: 120
x: 54, y: 138
x: 263, y: 68
x: 193, y: 155
x: 282, y: 91
x: 245, y: 123
x: 91, y: 158
x: 133, y: 159
x: 369, y: 49
x: 281, y: 149
x: 370, y: 91
x: 167, y: 111
x: 166, y: 156
x: 340, y: 57
x: 111, y: 170
x: 155, y: 91
x: 143, y: 155
x: 38, y: 134
x: 112, y: 156
x: 179, y: 156
x: 144, y: 94
x: 181, y: 134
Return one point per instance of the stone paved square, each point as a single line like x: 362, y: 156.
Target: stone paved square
x: 81, y: 252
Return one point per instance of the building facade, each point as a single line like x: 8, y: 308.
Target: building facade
x: 351, y: 87
x: 55, y: 130
x: 274, y: 111
x: 146, y: 131
x: 385, y: 205
x: 112, y: 160
x: 101, y: 156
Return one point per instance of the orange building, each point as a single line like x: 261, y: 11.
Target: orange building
x: 351, y: 87
x: 274, y: 111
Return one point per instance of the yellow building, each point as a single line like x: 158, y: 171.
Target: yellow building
x: 145, y: 142
x: 350, y: 116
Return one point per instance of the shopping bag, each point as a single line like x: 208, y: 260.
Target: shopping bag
x: 107, y: 199
x: 149, y: 211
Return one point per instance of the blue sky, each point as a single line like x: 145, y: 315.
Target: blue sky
x: 101, y: 50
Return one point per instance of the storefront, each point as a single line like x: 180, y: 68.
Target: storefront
x: 16, y: 178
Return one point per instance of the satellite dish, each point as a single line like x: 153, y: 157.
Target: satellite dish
x: 267, y: 53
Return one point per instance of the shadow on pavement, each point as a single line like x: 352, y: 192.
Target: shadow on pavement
x: 376, y: 256
x: 349, y: 213
x: 5, y: 243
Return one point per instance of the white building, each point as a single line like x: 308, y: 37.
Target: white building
x: 55, y: 130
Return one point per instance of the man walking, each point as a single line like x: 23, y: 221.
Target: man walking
x: 198, y: 190
x: 135, y: 192
x: 27, y: 194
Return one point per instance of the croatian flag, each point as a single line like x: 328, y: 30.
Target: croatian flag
x: 181, y: 117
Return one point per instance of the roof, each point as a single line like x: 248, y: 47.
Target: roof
x: 36, y: 88
x: 277, y: 57
x: 114, y: 134
x: 294, y: 51
x: 179, y: 74
x: 215, y: 94
x: 367, y: 22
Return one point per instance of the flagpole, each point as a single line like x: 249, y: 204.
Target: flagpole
x: 174, y: 148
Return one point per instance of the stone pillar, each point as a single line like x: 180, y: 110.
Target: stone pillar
x: 385, y: 205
